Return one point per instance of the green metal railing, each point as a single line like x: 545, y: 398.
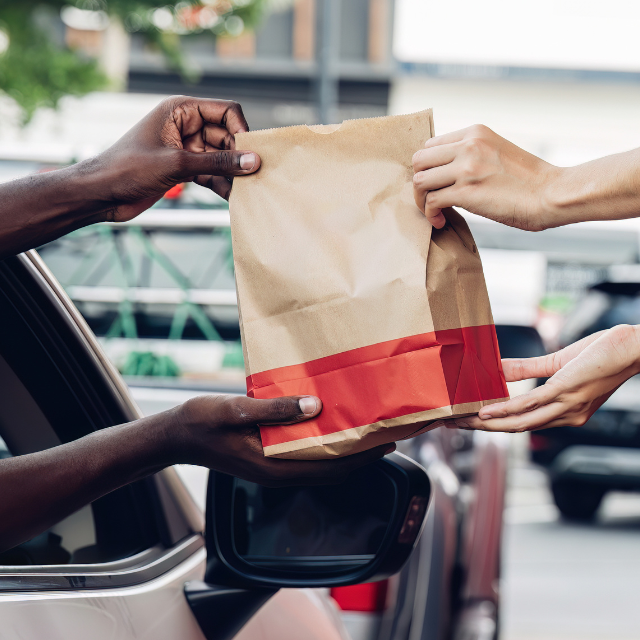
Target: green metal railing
x: 107, y: 254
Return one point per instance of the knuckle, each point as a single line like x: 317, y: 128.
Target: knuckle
x: 470, y: 170
x: 432, y: 198
x: 581, y: 420
x: 418, y: 179
x: 224, y: 162
x: 479, y: 130
x: 233, y: 410
x: 416, y: 158
x: 580, y: 406
x: 475, y: 146
x: 174, y: 103
x: 171, y: 102
x: 622, y: 332
x: 282, y: 409
x: 576, y: 421
x: 582, y: 417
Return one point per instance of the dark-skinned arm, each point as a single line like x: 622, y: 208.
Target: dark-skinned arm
x: 219, y: 432
x: 182, y: 140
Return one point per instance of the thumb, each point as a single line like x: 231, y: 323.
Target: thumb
x: 250, y: 411
x: 218, y: 163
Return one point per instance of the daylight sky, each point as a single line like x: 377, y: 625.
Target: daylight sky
x: 583, y: 34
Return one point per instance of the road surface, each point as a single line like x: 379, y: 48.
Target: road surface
x: 568, y: 581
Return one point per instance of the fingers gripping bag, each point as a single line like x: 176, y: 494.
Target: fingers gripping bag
x: 346, y: 291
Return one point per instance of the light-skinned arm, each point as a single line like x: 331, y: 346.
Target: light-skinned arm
x: 480, y: 171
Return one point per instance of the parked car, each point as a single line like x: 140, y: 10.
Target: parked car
x: 604, y: 455
x: 450, y: 586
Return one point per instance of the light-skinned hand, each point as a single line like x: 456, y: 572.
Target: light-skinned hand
x: 581, y: 378
x: 477, y: 170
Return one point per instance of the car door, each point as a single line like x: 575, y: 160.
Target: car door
x: 115, y: 569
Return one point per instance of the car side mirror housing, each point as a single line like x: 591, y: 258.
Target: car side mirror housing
x: 363, y: 529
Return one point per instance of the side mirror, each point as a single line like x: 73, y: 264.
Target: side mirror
x: 260, y: 539
x: 363, y: 529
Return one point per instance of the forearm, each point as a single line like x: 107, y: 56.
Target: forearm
x: 604, y: 189
x: 39, y: 208
x: 43, y: 488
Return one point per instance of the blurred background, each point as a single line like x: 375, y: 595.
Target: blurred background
x: 560, y: 78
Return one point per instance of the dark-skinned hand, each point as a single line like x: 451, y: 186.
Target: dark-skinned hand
x: 182, y: 140
x: 221, y: 432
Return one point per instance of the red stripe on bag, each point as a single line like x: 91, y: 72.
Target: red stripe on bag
x: 387, y: 380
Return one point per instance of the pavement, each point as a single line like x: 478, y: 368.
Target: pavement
x: 564, y: 581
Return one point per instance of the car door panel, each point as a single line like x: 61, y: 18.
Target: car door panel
x: 296, y: 614
x: 154, y: 610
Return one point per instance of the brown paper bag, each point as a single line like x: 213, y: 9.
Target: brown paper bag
x: 346, y: 292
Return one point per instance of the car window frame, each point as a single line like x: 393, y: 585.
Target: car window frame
x: 174, y: 509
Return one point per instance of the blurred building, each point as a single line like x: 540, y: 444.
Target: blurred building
x: 273, y: 71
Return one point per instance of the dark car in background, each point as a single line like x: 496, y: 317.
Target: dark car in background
x: 604, y: 455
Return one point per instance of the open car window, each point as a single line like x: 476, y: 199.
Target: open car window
x: 52, y: 392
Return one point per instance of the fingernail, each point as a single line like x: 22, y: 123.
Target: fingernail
x: 247, y: 161
x: 390, y: 449
x: 462, y: 425
x: 308, y: 405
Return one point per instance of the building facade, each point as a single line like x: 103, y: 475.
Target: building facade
x: 273, y: 71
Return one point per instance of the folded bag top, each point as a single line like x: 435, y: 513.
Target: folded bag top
x: 347, y: 292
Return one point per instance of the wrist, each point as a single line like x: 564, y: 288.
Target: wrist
x: 182, y: 425
x: 95, y: 180
x: 603, y: 189
x: 155, y: 442
x: 558, y: 196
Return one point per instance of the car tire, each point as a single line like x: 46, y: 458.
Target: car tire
x: 577, y: 501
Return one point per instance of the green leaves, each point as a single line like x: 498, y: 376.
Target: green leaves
x: 37, y: 68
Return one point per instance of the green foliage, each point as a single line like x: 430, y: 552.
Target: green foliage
x: 37, y: 69
x: 36, y: 73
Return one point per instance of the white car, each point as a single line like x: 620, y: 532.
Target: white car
x: 136, y: 564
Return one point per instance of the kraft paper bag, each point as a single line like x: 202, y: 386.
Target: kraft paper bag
x: 347, y: 293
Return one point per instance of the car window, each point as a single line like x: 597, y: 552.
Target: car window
x: 24, y: 426
x: 52, y: 392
